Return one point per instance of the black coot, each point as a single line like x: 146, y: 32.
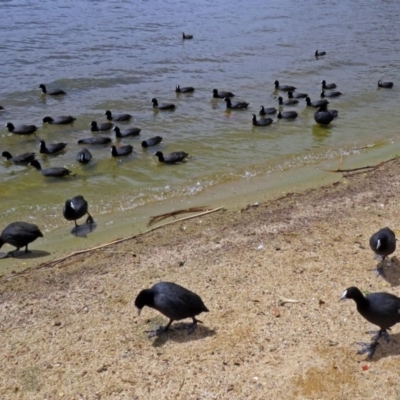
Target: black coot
x: 288, y: 102
x: 105, y: 126
x: 171, y: 158
x: 119, y: 117
x: 163, y: 106
x: 285, y: 88
x: 121, y: 150
x: 328, y: 85
x: 55, y: 92
x: 381, y: 309
x: 95, y: 140
x: 222, y: 94
x: 323, y: 116
x: 55, y: 172
x: 240, y: 105
x: 60, y: 120
x: 19, y: 234
x: 267, y: 111
x: 51, y: 148
x: 319, y: 53
x: 330, y: 94
x: 84, y: 156
x: 173, y: 301
x: 290, y: 95
x: 287, y: 114
x: 316, y: 103
x: 187, y: 37
x: 186, y: 89
x: 152, y: 141
x: 24, y: 158
x: 387, y: 85
x: 21, y: 129
x: 126, y: 132
x: 76, y: 208
x: 383, y: 243
x: 261, y: 121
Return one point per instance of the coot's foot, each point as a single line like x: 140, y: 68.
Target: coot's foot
x: 369, y: 348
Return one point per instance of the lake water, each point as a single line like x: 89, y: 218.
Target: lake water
x: 118, y: 55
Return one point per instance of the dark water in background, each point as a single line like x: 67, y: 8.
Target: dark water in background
x: 117, y: 55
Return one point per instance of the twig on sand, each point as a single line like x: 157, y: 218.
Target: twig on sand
x: 161, y: 217
x: 282, y: 301
x: 116, y: 241
x: 362, y: 170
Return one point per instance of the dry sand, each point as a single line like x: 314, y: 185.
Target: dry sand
x: 71, y: 331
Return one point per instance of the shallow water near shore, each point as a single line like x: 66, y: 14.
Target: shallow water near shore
x: 116, y: 55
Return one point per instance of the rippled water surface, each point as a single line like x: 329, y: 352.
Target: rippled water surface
x: 118, y: 55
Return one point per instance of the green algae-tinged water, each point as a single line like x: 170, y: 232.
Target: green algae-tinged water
x: 118, y: 55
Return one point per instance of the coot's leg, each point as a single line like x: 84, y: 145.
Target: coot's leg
x: 160, y: 330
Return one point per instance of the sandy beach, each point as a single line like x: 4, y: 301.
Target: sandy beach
x: 271, y: 275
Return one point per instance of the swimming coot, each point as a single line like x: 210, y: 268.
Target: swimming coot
x: 126, y: 132
x: 323, y: 116
x: 24, y: 158
x: 95, y: 140
x: 328, y: 85
x: 222, y: 94
x: 316, y: 103
x: 290, y: 95
x: 240, y: 105
x: 163, y: 106
x: 381, y: 309
x: 76, y: 208
x: 287, y: 115
x: 261, y: 121
x: 319, y: 53
x: 267, y: 111
x: 330, y: 94
x: 288, y: 102
x: 84, y: 156
x: 387, y: 85
x: 56, y: 92
x: 119, y: 117
x: 285, y: 88
x: 54, y: 172
x: 60, y: 120
x: 187, y: 37
x: 51, y: 148
x: 383, y: 243
x: 21, y: 129
x: 151, y: 141
x: 187, y: 89
x: 19, y: 234
x: 173, y: 301
x: 171, y: 158
x: 121, y: 150
x: 105, y: 126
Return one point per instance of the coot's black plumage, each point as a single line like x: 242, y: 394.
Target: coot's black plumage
x: 267, y: 111
x: 186, y: 89
x: 240, y: 105
x: 60, y: 120
x: 288, y: 102
x: 319, y: 53
x: 185, y: 36
x: 328, y: 85
x: 121, y: 150
x: 285, y: 88
x: 171, y: 158
x: 105, y: 126
x: 120, y: 117
x: 330, y: 94
x: 383, y: 243
x: 387, y: 85
x: 287, y: 114
x: 51, y: 148
x: 261, y: 121
x: 151, y: 141
x: 76, y: 208
x: 95, y: 140
x: 290, y: 95
x: 21, y: 129
x: 19, y: 234
x: 173, y: 301
x: 323, y: 116
x: 84, y: 156
x: 1, y: 108
x: 316, y: 103
x: 55, y: 172
x: 126, y: 132
x: 55, y: 92
x: 381, y: 309
x: 222, y: 94
x: 162, y: 106
x: 24, y: 158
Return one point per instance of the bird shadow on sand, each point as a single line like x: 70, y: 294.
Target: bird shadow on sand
x: 21, y: 255
x: 180, y: 334
x: 392, y: 272
x: 84, y: 229
x: 385, y: 349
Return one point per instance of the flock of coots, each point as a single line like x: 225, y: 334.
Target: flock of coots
x: 172, y: 300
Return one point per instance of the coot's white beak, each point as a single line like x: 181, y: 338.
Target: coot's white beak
x: 343, y: 296
x: 138, y: 310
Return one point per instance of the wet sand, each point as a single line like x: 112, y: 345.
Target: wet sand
x: 72, y: 331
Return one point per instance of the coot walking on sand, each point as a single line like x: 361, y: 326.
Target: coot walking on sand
x: 21, y: 129
x: 171, y: 158
x: 383, y: 243
x: 173, y: 301
x: 55, y: 92
x: 381, y: 309
x: 20, y: 158
x: 19, y: 234
x: 76, y: 208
